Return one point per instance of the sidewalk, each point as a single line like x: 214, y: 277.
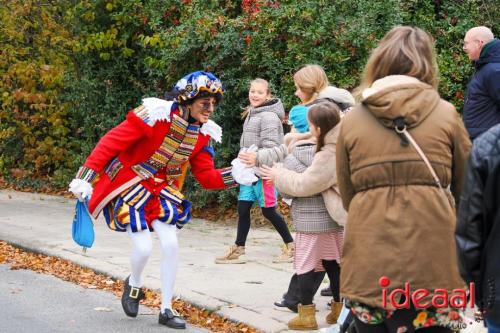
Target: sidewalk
x: 244, y: 293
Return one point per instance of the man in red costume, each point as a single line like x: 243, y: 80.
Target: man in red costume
x: 135, y: 174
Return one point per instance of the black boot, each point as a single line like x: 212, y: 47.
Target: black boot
x: 130, y: 299
x: 326, y: 292
x: 171, y: 319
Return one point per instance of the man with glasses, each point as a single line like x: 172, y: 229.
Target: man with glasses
x: 482, y: 104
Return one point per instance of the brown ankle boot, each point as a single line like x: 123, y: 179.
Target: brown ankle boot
x: 306, y: 320
x: 335, y: 309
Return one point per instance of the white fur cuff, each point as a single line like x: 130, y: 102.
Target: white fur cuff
x: 213, y: 130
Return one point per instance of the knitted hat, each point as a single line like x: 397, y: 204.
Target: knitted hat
x: 298, y: 118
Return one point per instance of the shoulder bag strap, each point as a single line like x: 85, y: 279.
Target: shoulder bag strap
x: 401, y: 130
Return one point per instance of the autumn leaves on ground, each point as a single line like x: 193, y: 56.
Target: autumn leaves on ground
x: 65, y: 270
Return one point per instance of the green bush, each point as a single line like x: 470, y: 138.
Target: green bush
x: 34, y: 125
x: 107, y: 55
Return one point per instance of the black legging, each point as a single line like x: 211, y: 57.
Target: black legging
x: 308, y: 289
x: 292, y: 296
x: 269, y: 213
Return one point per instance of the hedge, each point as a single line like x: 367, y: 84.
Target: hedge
x: 72, y: 69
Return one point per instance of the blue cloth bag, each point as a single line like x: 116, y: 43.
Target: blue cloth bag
x: 83, y: 227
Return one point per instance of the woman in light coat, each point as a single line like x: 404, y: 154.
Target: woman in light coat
x: 308, y: 176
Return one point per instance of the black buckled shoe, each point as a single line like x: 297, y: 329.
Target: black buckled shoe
x: 130, y: 299
x: 172, y: 319
x: 326, y: 292
x: 284, y: 304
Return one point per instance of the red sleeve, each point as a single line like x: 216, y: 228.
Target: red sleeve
x: 117, y: 140
x: 203, y: 169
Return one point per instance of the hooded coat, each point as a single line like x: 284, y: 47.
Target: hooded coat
x: 263, y: 125
x: 399, y: 224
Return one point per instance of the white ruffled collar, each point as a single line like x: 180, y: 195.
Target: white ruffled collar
x: 213, y: 130
x: 160, y: 109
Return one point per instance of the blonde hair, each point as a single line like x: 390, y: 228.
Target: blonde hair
x: 311, y: 79
x: 268, y: 90
x: 403, y: 51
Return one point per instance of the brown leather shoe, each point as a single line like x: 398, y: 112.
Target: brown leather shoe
x: 235, y: 255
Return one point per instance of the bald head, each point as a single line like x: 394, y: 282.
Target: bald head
x: 475, y: 39
x: 480, y: 33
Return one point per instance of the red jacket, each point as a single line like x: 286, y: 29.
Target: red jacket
x: 133, y: 142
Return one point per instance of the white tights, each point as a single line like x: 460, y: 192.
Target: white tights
x: 169, y: 258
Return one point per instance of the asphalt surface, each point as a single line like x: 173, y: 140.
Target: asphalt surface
x: 33, y: 302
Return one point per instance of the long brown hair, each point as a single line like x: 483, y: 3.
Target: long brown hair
x: 325, y: 115
x: 403, y: 51
x: 311, y: 79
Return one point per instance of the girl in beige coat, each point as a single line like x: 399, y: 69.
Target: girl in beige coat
x: 309, y: 176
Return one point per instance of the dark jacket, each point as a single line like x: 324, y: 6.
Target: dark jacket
x: 482, y: 104
x: 478, y: 227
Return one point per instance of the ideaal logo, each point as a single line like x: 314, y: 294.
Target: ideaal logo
x: 440, y: 297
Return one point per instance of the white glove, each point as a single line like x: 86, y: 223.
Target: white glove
x: 81, y: 189
x: 241, y: 173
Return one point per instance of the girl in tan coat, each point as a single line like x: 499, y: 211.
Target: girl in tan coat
x: 400, y: 223
x: 308, y: 176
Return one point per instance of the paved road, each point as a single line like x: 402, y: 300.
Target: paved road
x: 42, y: 223
x: 33, y: 302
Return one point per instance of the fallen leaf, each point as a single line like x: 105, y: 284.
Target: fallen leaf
x: 254, y: 282
x: 68, y: 271
x: 103, y: 309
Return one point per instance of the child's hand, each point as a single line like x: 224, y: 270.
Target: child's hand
x: 250, y: 159
x: 269, y: 174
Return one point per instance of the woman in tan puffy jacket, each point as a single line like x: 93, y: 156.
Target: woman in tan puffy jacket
x: 400, y: 224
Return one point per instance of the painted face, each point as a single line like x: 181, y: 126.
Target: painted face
x: 315, y: 131
x: 202, y: 108
x: 472, y: 46
x: 302, y: 95
x: 258, y: 94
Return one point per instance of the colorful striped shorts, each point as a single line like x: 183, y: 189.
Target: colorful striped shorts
x: 138, y: 208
